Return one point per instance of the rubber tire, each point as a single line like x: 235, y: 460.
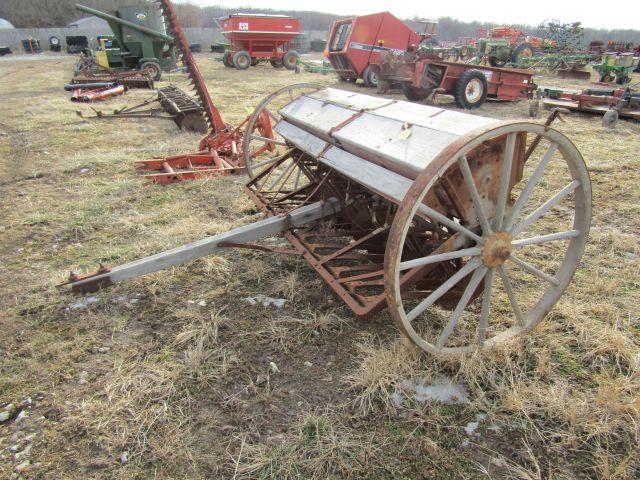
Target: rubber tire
x: 370, y: 77
x: 494, y: 62
x: 276, y: 62
x: 242, y: 60
x: 459, y: 91
x: 227, y: 61
x: 154, y: 67
x: 290, y: 60
x: 515, y: 55
x: 415, y: 94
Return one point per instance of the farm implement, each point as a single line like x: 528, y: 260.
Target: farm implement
x: 447, y: 219
x: 617, y: 66
x: 256, y: 38
x: 422, y: 74
x: 85, y: 75
x: 139, y: 42
x: 172, y: 104
x: 356, y: 44
x: 221, y: 150
x: 611, y: 102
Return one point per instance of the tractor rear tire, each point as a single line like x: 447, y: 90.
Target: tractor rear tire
x: 227, y: 61
x: 524, y: 50
x: 290, y: 60
x: 415, y: 94
x: 153, y: 69
x: 370, y: 76
x: 471, y: 89
x: 242, y: 60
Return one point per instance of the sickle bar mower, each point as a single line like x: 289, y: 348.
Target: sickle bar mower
x: 443, y: 217
x: 219, y: 152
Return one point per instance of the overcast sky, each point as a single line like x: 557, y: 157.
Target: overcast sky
x: 620, y: 14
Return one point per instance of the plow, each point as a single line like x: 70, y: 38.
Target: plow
x: 466, y: 229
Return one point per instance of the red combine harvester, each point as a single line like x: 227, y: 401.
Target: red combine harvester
x: 356, y: 43
x: 259, y: 38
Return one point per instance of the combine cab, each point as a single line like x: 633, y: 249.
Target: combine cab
x: 356, y: 43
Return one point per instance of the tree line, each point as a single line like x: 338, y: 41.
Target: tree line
x: 58, y: 13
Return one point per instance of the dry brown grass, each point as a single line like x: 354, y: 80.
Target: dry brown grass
x: 189, y: 391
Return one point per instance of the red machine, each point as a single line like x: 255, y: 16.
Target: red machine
x: 514, y: 36
x: 356, y: 43
x: 256, y: 38
x: 422, y: 75
x: 220, y: 151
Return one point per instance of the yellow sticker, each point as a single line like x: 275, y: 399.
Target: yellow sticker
x: 405, y: 133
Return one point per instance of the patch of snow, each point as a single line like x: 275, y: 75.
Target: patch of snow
x: 443, y: 390
x: 471, y: 428
x: 265, y: 301
x: 84, y: 302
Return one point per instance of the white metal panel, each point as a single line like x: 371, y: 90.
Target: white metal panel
x: 374, y: 129
x: 316, y: 116
x: 383, y: 140
x: 301, y: 138
x: 352, y: 100
x: 376, y: 178
x: 439, y: 119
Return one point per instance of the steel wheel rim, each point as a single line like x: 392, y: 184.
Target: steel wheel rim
x: 474, y: 90
x: 427, y: 179
x: 250, y: 144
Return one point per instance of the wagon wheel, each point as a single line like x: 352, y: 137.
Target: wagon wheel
x: 262, y: 146
x: 507, y: 261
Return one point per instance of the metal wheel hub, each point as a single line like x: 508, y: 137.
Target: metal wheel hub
x: 474, y: 90
x: 497, y: 249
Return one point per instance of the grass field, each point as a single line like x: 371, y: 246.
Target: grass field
x: 169, y: 376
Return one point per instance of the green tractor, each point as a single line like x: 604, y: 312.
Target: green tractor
x: 500, y: 51
x: 139, y: 42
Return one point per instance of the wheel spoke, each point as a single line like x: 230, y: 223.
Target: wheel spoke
x: 295, y: 186
x: 267, y: 140
x: 441, y: 257
x: 475, y: 197
x: 444, y: 288
x: 512, y: 297
x: 545, y: 207
x: 270, y: 160
x: 534, y: 271
x: 281, y: 175
x: 438, y: 217
x: 505, y: 180
x: 546, y: 238
x: 272, y: 115
x: 486, y: 307
x: 477, y: 276
x: 531, y: 184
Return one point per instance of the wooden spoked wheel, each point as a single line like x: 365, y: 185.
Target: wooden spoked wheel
x: 513, y: 203
x: 262, y: 146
